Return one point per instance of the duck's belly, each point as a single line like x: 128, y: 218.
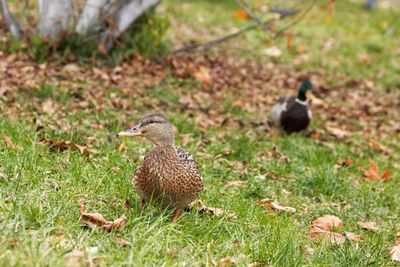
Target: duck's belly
x: 161, y: 193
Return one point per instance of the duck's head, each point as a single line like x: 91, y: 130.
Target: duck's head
x: 305, y: 91
x: 155, y: 127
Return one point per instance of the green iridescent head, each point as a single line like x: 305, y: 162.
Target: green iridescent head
x: 305, y: 90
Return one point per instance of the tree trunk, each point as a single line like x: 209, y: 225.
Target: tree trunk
x: 54, y: 17
x: 124, y: 18
x: 90, y: 16
x: 12, y: 24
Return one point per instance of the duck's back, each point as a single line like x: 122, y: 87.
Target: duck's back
x: 168, y: 174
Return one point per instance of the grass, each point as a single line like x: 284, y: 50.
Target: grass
x: 40, y: 189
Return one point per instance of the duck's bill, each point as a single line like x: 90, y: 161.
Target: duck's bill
x: 309, y: 95
x: 131, y: 132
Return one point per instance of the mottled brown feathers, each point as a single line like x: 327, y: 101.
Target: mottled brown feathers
x: 168, y: 175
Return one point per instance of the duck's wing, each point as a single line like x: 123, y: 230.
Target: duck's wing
x: 186, y: 158
x: 283, y: 103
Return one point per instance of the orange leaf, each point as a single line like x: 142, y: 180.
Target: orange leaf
x: 203, y: 75
x: 373, y: 173
x: 241, y: 14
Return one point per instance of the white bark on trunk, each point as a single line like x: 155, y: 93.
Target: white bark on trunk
x: 90, y: 16
x: 130, y: 12
x: 54, y: 17
x: 125, y: 17
x: 12, y: 24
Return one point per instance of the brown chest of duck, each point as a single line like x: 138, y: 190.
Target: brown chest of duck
x: 292, y: 113
x: 168, y: 175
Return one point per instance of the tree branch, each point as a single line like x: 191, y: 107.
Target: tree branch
x: 294, y: 22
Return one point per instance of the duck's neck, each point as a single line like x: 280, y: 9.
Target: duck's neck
x: 161, y: 143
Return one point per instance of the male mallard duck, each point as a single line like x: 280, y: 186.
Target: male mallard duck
x: 168, y: 174
x: 292, y: 113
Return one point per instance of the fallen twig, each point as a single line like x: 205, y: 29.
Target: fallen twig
x: 258, y: 22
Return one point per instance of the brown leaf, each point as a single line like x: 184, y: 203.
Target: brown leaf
x: 369, y: 226
x: 275, y: 206
x: 74, y: 258
x: 318, y: 234
x: 398, y: 238
x: 210, y: 210
x: 236, y: 184
x: 122, y: 242
x: 373, y: 173
x: 353, y: 237
x: 98, y: 220
x: 276, y: 154
x: 64, y: 145
x: 395, y: 253
x: 378, y: 146
x: 203, y: 75
x: 84, y: 149
x: 328, y: 222
x: 9, y: 144
x: 337, y: 133
x: 48, y: 107
x: 229, y: 261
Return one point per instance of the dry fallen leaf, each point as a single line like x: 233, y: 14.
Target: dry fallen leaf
x: 74, y: 258
x: 275, y: 206
x: 122, y: 242
x: 328, y: 222
x: 276, y: 154
x: 353, y: 237
x: 210, y: 210
x: 398, y: 238
x: 373, y: 173
x: 378, y: 146
x: 236, y: 184
x: 272, y: 51
x: 345, y: 162
x: 98, y: 220
x: 369, y: 226
x: 318, y: 234
x: 309, y: 251
x: 203, y: 75
x: 229, y: 261
x: 395, y: 253
x: 9, y: 144
x: 337, y: 133
x: 64, y: 145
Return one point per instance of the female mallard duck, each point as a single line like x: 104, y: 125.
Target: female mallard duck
x: 168, y: 174
x: 292, y: 113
